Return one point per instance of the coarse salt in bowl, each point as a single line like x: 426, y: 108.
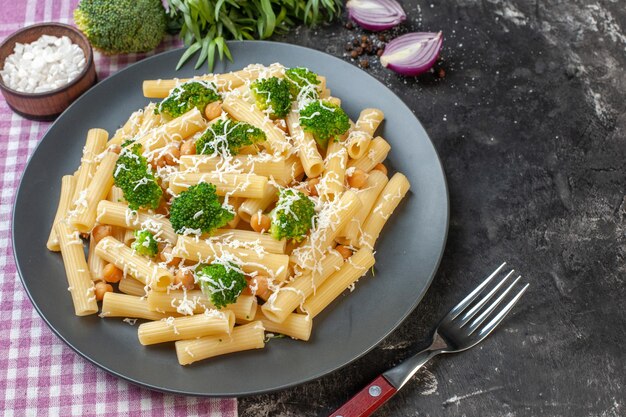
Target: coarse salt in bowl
x: 44, y: 68
x: 46, y: 64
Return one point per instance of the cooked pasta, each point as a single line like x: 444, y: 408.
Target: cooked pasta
x: 237, y: 208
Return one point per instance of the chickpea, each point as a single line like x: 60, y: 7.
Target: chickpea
x: 188, y: 147
x: 258, y: 285
x: 185, y: 277
x: 111, y: 273
x: 166, y: 256
x: 357, y: 179
x: 101, y: 288
x: 281, y: 124
x: 213, y: 110
x: 168, y: 156
x: 101, y: 231
x: 380, y: 167
x: 115, y: 148
x: 172, y: 154
x: 313, y: 186
x: 344, y: 251
x: 260, y: 222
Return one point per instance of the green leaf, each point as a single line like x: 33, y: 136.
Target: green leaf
x: 270, y: 18
x: 211, y: 55
x: 220, y: 47
x: 218, y: 7
x: 188, y: 53
x: 204, y: 52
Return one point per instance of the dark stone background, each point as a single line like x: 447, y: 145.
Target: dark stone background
x: 530, y: 122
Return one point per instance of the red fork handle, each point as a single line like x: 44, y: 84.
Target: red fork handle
x: 368, y: 400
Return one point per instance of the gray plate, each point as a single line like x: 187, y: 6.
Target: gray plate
x: 408, y: 252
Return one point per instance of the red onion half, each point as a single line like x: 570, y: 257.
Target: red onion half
x: 413, y: 53
x: 375, y: 14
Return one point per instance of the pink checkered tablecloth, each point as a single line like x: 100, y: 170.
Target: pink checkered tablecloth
x: 39, y: 375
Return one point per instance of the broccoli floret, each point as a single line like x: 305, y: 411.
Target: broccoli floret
x: 128, y: 142
x: 134, y: 176
x: 293, y: 215
x: 272, y: 94
x: 228, y: 134
x: 198, y: 210
x: 324, y: 120
x: 302, y: 83
x: 186, y: 96
x: 122, y: 26
x: 145, y: 243
x: 221, y: 283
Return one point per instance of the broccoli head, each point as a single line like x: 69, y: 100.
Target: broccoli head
x: 198, y: 210
x: 272, y: 94
x: 145, y: 243
x: 324, y: 120
x: 221, y: 283
x: 303, y: 83
x: 134, y: 176
x: 186, y: 96
x: 122, y: 26
x: 293, y: 215
x: 228, y: 134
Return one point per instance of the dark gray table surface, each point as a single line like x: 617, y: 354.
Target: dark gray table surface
x: 529, y: 122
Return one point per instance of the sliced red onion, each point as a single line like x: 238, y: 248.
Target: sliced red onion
x: 375, y: 14
x: 413, y: 53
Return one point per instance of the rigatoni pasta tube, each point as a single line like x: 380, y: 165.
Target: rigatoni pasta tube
x: 356, y: 266
x: 116, y: 195
x: 195, y: 302
x: 123, y: 305
x: 208, y: 323
x: 376, y: 153
x: 68, y: 184
x: 94, y: 145
x: 265, y: 240
x: 246, y: 337
x: 240, y: 110
x: 119, y: 214
x: 251, y: 206
x: 376, y: 181
x: 271, y: 264
x: 285, y: 300
x: 295, y: 325
x: 282, y: 170
x: 96, y: 264
x: 140, y: 267
x: 150, y: 120
x: 78, y: 277
x: 385, y: 204
x: 84, y: 216
x: 331, y: 220
x: 235, y: 185
x: 305, y: 144
x: 128, y: 130
x: 175, y: 130
x: 129, y: 285
x: 335, y: 163
x: 360, y: 136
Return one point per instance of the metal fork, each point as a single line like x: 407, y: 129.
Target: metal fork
x: 462, y: 328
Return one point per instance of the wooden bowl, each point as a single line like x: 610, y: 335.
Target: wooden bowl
x: 47, y: 105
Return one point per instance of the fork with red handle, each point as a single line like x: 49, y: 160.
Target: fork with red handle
x: 466, y: 325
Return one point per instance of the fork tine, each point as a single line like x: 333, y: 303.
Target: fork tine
x: 458, y: 309
x: 502, y: 314
x: 474, y: 310
x: 483, y: 316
